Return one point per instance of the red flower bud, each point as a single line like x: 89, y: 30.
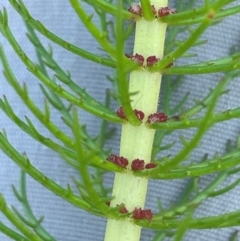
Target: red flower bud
x: 123, y: 210
x: 140, y: 115
x: 137, y: 165
x: 151, y: 60
x: 162, y: 12
x: 154, y: 10
x: 138, y: 213
x: 137, y: 58
x: 157, y: 117
x: 120, y: 113
x: 136, y: 9
x: 118, y: 160
x: 150, y: 165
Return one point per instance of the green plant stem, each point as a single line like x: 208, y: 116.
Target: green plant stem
x: 221, y: 221
x: 16, y: 221
x: 205, y: 124
x: 37, y: 25
x: 147, y: 10
x: 25, y: 165
x: 219, y: 16
x: 193, y: 13
x: 195, y: 35
x: 122, y: 82
x: 65, y: 152
x: 40, y: 75
x: 190, y: 123
x: 31, y: 218
x: 208, y: 67
x: 137, y: 141
x: 107, y: 7
x: 87, y: 21
x: 11, y: 234
x: 194, y: 202
x: 82, y: 158
x: 222, y: 163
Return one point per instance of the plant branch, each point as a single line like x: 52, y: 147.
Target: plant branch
x: 11, y: 233
x: 16, y: 221
x: 25, y: 165
x: 170, y: 58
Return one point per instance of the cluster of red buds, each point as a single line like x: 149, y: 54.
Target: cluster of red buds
x: 153, y: 118
x: 120, y: 113
x: 150, y: 61
x: 137, y: 58
x: 165, y: 11
x: 157, y: 117
x: 138, y: 213
x: 135, y: 8
x: 138, y: 165
x: 118, y: 160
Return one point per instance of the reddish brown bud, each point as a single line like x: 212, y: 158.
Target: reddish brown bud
x: 123, y: 210
x: 140, y: 115
x: 137, y: 165
x: 154, y: 10
x: 118, y: 160
x: 150, y: 165
x: 136, y: 9
x: 148, y: 214
x: 162, y: 12
x: 151, y: 60
x: 157, y: 117
x: 137, y: 58
x: 120, y: 113
x: 138, y: 213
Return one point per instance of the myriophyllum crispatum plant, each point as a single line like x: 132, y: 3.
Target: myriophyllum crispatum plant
x: 164, y: 38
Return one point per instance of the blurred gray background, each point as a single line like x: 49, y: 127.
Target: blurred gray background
x: 63, y: 221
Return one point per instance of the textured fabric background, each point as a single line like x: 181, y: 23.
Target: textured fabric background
x: 64, y: 221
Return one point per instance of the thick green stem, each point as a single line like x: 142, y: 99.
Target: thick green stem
x: 137, y: 141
